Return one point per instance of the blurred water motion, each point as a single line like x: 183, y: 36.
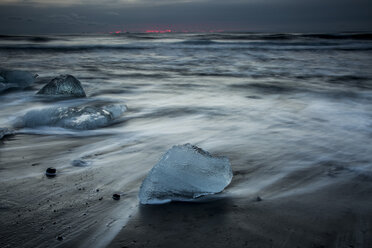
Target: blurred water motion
x: 274, y: 104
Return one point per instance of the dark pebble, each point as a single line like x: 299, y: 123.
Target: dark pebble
x: 116, y: 196
x: 51, y: 172
x: 59, y: 238
x: 258, y: 198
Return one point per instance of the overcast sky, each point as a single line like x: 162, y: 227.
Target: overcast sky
x: 77, y: 16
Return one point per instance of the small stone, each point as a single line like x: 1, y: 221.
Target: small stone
x: 116, y: 196
x: 51, y: 172
x: 258, y: 198
x: 100, y: 199
x: 59, y: 238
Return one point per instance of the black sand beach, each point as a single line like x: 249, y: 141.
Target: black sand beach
x: 37, y: 211
x: 292, y: 114
x: 335, y: 216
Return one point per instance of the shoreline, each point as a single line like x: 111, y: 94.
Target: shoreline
x: 336, y: 216
x: 75, y: 207
x: 322, y: 206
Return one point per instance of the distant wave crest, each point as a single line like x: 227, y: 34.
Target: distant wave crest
x: 66, y: 48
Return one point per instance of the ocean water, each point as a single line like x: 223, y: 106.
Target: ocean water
x: 274, y: 104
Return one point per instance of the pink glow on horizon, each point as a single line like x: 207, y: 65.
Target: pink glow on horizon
x: 158, y: 31
x: 176, y: 30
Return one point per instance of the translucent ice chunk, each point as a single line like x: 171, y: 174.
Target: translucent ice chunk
x: 183, y: 173
x: 80, y: 163
x: 3, y: 87
x: 81, y: 118
x: 64, y: 85
x: 5, y: 132
x: 15, y: 79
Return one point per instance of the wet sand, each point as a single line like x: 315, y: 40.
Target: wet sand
x: 335, y: 216
x: 73, y: 209
x: 323, y: 205
x: 292, y: 114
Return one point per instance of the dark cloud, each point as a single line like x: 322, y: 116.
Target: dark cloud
x: 266, y: 15
x: 15, y: 18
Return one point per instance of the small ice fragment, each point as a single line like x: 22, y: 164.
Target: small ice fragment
x: 80, y: 163
x: 184, y: 173
x: 5, y: 132
x: 3, y: 87
x: 15, y: 79
x: 64, y: 85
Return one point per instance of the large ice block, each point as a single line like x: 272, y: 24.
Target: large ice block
x: 80, y: 117
x: 185, y: 172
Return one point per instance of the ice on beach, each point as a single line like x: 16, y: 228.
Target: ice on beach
x: 15, y: 79
x: 185, y: 172
x: 81, y: 117
x: 80, y: 163
x: 4, y: 132
x: 2, y: 84
x: 64, y: 85
x: 3, y: 87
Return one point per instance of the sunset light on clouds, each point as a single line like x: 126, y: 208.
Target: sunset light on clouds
x: 84, y: 16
